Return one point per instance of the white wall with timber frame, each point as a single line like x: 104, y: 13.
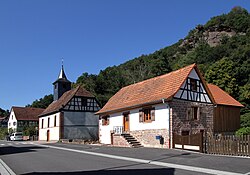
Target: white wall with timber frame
x: 187, y: 92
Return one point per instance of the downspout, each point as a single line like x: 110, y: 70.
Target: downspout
x: 169, y: 125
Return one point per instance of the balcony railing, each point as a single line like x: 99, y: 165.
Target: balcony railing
x: 118, y: 129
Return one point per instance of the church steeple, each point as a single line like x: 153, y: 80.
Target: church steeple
x: 62, y: 74
x: 61, y: 85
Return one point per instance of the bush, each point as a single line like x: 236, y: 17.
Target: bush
x: 3, y: 133
x: 243, y: 131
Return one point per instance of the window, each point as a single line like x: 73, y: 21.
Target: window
x: 105, y: 120
x: 55, y: 120
x: 84, y: 102
x: 55, y: 86
x: 184, y: 133
x: 42, y: 122
x: 12, y: 117
x: 192, y: 113
x: 48, y: 122
x: 147, y: 115
x: 193, y: 84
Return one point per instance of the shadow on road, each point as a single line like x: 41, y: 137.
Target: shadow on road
x: 161, y: 171
x: 16, y: 150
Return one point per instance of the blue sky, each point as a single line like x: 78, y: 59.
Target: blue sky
x: 90, y: 35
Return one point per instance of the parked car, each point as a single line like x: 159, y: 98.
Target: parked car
x: 16, y: 136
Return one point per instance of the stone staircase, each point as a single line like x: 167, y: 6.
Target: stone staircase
x: 131, y: 140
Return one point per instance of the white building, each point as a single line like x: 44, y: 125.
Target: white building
x: 21, y: 117
x: 71, y: 114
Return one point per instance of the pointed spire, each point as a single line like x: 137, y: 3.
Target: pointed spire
x: 62, y: 73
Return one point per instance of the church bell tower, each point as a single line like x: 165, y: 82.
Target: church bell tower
x: 61, y: 85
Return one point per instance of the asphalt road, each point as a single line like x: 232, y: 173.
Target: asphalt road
x: 34, y: 158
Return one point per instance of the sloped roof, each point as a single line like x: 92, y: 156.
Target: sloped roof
x: 150, y: 91
x: 62, y: 76
x: 55, y: 106
x: 223, y: 98
x: 27, y: 113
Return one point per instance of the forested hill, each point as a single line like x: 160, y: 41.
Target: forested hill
x: 221, y: 48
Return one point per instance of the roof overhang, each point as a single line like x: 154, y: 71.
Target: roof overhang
x: 162, y: 100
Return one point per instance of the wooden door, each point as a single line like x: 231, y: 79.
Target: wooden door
x: 126, y: 122
x: 48, y: 134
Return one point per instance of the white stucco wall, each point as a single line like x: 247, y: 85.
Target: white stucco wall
x: 161, y: 122
x: 54, y: 130
x: 11, y: 121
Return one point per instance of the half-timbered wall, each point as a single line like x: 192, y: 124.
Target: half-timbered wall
x: 226, y: 118
x: 193, y: 89
x: 82, y: 104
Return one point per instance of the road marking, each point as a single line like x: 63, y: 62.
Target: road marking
x: 4, y: 169
x: 170, y: 165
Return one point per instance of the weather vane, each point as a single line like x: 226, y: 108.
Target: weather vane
x: 62, y: 61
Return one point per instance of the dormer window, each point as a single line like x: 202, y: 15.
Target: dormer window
x: 193, y: 84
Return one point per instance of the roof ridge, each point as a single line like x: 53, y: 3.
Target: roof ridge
x: 161, y: 76
x: 149, y: 91
x: 26, y: 107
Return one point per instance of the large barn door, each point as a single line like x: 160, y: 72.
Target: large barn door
x: 190, y: 142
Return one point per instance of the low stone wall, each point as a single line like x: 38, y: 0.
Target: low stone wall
x: 148, y: 137
x: 120, y: 141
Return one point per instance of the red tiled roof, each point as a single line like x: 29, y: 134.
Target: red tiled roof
x: 55, y: 106
x: 222, y: 98
x: 149, y: 91
x: 27, y: 113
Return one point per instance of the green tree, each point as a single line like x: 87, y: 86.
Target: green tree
x: 222, y: 74
x: 3, y: 133
x: 42, y: 102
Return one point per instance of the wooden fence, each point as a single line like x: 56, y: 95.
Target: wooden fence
x: 189, y: 142
x: 229, y: 145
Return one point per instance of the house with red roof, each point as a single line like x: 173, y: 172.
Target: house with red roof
x: 151, y: 112
x: 71, y: 115
x: 21, y: 117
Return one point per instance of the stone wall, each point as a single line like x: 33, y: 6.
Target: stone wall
x: 148, y: 137
x: 120, y: 141
x: 181, y: 123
